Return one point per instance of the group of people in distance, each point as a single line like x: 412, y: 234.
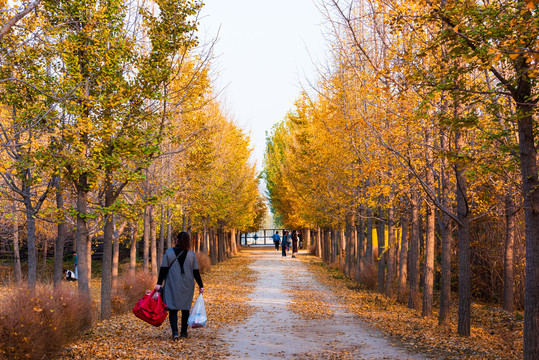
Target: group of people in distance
x: 294, y: 240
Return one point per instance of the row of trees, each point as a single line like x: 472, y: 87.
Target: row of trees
x: 109, y: 122
x: 423, y: 129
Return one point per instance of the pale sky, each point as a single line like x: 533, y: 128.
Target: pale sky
x: 265, y: 51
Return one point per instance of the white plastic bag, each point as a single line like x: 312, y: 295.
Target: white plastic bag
x: 198, y: 318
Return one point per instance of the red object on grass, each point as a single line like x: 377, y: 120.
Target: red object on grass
x: 152, y: 311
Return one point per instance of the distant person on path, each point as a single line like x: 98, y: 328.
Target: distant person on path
x: 294, y: 243
x: 284, y: 244
x: 179, y: 280
x: 300, y: 240
x: 276, y: 240
x: 74, y: 253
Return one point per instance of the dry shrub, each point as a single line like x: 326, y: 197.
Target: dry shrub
x: 369, y: 276
x: 334, y: 266
x: 129, y: 290
x: 312, y: 250
x: 36, y: 325
x: 6, y: 274
x: 403, y: 297
x: 204, y: 262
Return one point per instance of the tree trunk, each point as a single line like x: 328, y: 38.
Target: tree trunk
x: 106, y: 268
x: 447, y: 240
x: 146, y: 241
x: 307, y: 241
x: 330, y: 245
x: 348, y: 248
x: 465, y: 286
x: 326, y: 245
x: 205, y: 242
x: 318, y: 242
x: 184, y: 222
x: 353, y: 246
x: 82, y: 237
x: 17, y: 272
x: 530, y: 191
x: 381, y: 235
x: 220, y: 244
x: 402, y: 290
x: 508, y: 265
x: 233, y: 241
x: 153, y: 243
x: 133, y: 249
x: 116, y: 251
x: 335, y: 245
x: 115, y: 261
x: 428, y: 289
x: 369, y: 253
x: 161, y: 247
x: 89, y: 256
x: 169, y: 228
x: 342, y: 247
x: 213, y: 246
x: 228, y: 247
x: 323, y: 244
x: 31, y: 240
x: 430, y: 240
x: 391, y: 254
x: 61, y: 236
x: 413, y: 271
x: 360, y: 253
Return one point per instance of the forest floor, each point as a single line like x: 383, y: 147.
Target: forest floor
x: 261, y: 305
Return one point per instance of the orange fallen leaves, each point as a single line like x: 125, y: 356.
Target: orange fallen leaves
x: 307, y: 302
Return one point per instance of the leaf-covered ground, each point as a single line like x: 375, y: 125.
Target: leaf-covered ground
x: 495, y: 334
x: 227, y: 287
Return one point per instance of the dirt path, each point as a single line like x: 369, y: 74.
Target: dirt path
x: 279, y: 329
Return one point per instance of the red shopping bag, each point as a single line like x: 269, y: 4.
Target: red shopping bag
x: 152, y: 311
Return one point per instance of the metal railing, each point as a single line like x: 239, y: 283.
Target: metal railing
x: 261, y: 237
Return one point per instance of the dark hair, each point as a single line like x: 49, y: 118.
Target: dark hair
x: 183, y: 241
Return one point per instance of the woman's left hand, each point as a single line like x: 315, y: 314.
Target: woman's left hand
x: 201, y: 290
x: 156, y: 292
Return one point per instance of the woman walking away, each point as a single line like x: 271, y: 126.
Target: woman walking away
x: 179, y: 270
x: 284, y: 243
x: 294, y: 243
